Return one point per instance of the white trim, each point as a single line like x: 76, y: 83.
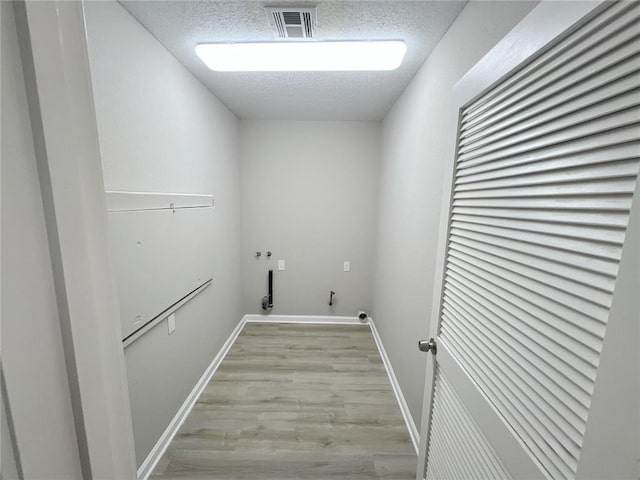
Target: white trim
x: 165, y: 439
x: 402, y: 403
x: 319, y: 319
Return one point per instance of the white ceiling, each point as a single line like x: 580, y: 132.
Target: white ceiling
x: 180, y: 25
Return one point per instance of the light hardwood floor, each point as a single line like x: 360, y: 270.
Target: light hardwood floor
x: 295, y: 401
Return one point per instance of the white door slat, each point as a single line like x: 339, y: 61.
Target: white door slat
x: 561, y: 83
x: 519, y: 417
x: 593, y: 249
x: 461, y: 438
x: 455, y: 468
x: 615, y: 49
x: 626, y: 135
x: 544, y: 282
x: 573, y: 414
x: 516, y: 421
x: 593, y: 311
x: 547, y: 409
x: 565, y: 284
x: 563, y: 135
x: 534, y: 336
x: 545, y: 322
x: 620, y: 154
x: 524, y: 347
x: 462, y: 461
x: 618, y: 79
x: 445, y: 472
x: 606, y: 234
x: 618, y: 17
x: 571, y: 271
x: 477, y: 448
x: 581, y: 325
x: 476, y: 467
x: 583, y: 331
x: 603, y: 133
x: 563, y: 187
x: 609, y: 203
x: 595, y: 219
x: 559, y: 118
x: 434, y: 469
x: 457, y: 442
x: 468, y: 429
x: 604, y: 171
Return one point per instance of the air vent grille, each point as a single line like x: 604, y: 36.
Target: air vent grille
x: 292, y: 22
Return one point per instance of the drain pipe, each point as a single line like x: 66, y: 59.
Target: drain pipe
x: 267, y: 300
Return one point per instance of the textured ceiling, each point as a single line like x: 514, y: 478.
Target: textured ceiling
x: 180, y: 25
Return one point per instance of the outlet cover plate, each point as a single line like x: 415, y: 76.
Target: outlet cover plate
x: 171, y: 323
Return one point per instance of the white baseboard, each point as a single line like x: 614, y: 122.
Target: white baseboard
x: 321, y: 319
x: 165, y: 439
x: 404, y: 408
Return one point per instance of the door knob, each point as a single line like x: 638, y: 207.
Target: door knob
x: 428, y: 346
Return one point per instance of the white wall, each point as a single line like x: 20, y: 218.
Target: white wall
x: 310, y: 196
x: 415, y: 152
x: 161, y: 131
x: 32, y: 352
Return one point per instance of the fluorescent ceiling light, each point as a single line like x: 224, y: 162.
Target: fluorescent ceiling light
x: 302, y: 56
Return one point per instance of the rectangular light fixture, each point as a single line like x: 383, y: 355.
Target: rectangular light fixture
x: 302, y: 56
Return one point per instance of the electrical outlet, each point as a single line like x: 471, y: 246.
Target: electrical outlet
x: 347, y: 266
x: 171, y: 322
x: 281, y: 265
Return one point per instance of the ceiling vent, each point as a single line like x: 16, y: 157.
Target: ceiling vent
x: 293, y: 22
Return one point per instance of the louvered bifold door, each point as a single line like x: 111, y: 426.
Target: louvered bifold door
x: 547, y: 163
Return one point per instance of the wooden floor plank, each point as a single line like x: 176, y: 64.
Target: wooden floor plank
x: 294, y: 401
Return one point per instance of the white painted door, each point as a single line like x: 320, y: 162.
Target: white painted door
x: 536, y: 372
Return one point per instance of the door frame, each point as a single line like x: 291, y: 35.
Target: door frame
x: 53, y: 47
x: 546, y: 22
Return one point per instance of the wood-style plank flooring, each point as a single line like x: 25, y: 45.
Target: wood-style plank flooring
x: 295, y: 401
